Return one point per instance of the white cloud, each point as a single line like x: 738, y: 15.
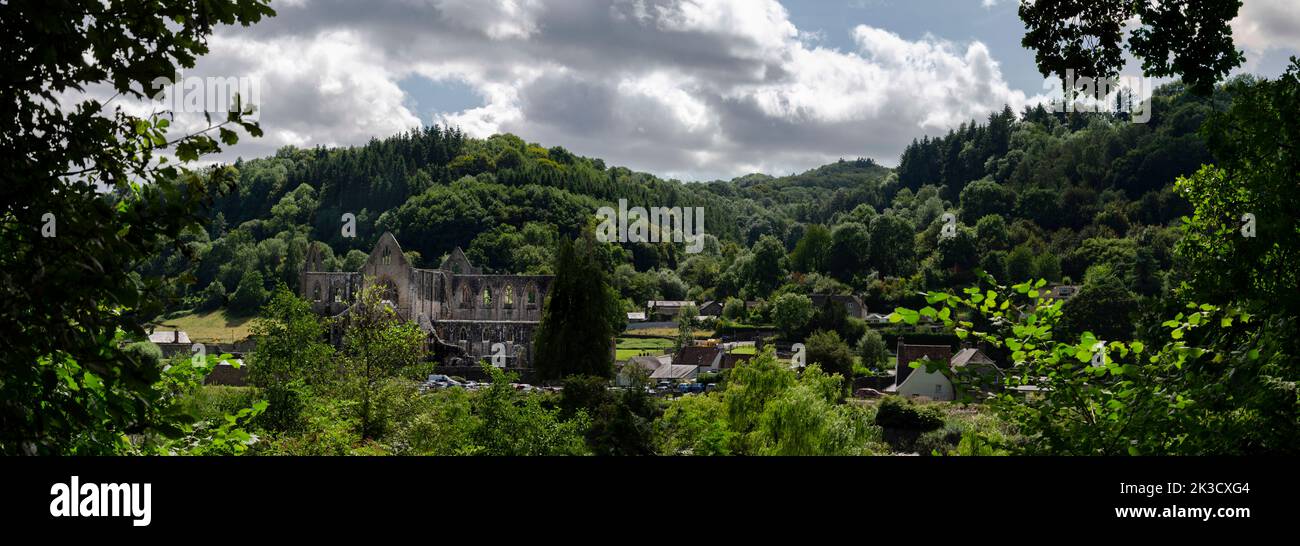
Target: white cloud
x: 497, y: 19
x: 1262, y: 25
x: 692, y: 88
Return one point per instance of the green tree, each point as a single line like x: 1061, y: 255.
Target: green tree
x: 685, y: 327
x: 872, y: 350
x: 1048, y: 266
x: 791, y: 313
x: 510, y: 424
x: 735, y: 309
x: 960, y: 251
x: 995, y: 264
x: 1088, y: 37
x: 377, y: 345
x: 984, y: 198
x: 1111, y: 397
x: 767, y: 269
x: 1020, y: 264
x: 250, y: 295
x: 212, y: 297
x: 84, y: 204
x: 991, y: 232
x: 621, y: 421
x: 576, y: 332
x: 1104, y: 307
x: 849, y: 251
x: 828, y: 350
x: 892, y: 248
x: 1251, y: 368
x: 812, y: 251
x: 290, y: 359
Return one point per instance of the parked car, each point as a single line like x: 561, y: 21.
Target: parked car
x: 439, y: 381
x: 867, y: 393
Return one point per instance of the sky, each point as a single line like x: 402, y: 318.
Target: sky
x: 686, y: 89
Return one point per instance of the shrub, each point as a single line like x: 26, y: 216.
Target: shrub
x: 895, y: 412
x: 871, y: 347
x: 791, y: 313
x: 212, y: 297
x: 829, y: 351
x: 145, y: 352
x: 217, y: 401
x: 735, y: 310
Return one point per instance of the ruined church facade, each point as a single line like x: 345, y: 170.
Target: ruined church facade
x: 467, y: 315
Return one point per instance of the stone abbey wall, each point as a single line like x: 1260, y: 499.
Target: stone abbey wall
x: 456, y: 304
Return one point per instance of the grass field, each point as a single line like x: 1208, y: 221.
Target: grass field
x: 672, y: 332
x: 629, y: 347
x: 210, y: 327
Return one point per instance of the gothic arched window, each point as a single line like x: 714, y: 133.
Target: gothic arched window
x: 466, y: 297
x: 388, y: 256
x: 315, y: 292
x: 532, y: 295
x: 487, y: 297
x: 509, y: 300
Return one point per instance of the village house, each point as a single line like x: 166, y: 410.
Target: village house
x: 919, y: 382
x: 853, y: 305
x: 675, y: 372
x: 712, y: 308
x: 645, y: 364
x: 666, y: 310
x: 731, y: 360
x: 708, y: 358
x: 1063, y: 291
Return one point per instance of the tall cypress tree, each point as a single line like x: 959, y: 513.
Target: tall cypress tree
x: 576, y: 332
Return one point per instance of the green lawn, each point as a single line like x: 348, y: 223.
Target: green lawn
x: 209, y: 327
x: 745, y: 350
x: 629, y: 347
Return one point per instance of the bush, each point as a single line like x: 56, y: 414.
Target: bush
x: 791, y: 313
x: 217, y: 401
x: 829, y: 351
x: 940, y: 441
x: 871, y: 347
x: 897, y: 413
x: 250, y: 295
x: 212, y: 297
x: 735, y: 310
x: 145, y: 352
x: 583, y: 393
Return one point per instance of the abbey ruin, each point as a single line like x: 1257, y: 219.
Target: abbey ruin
x: 468, y: 316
